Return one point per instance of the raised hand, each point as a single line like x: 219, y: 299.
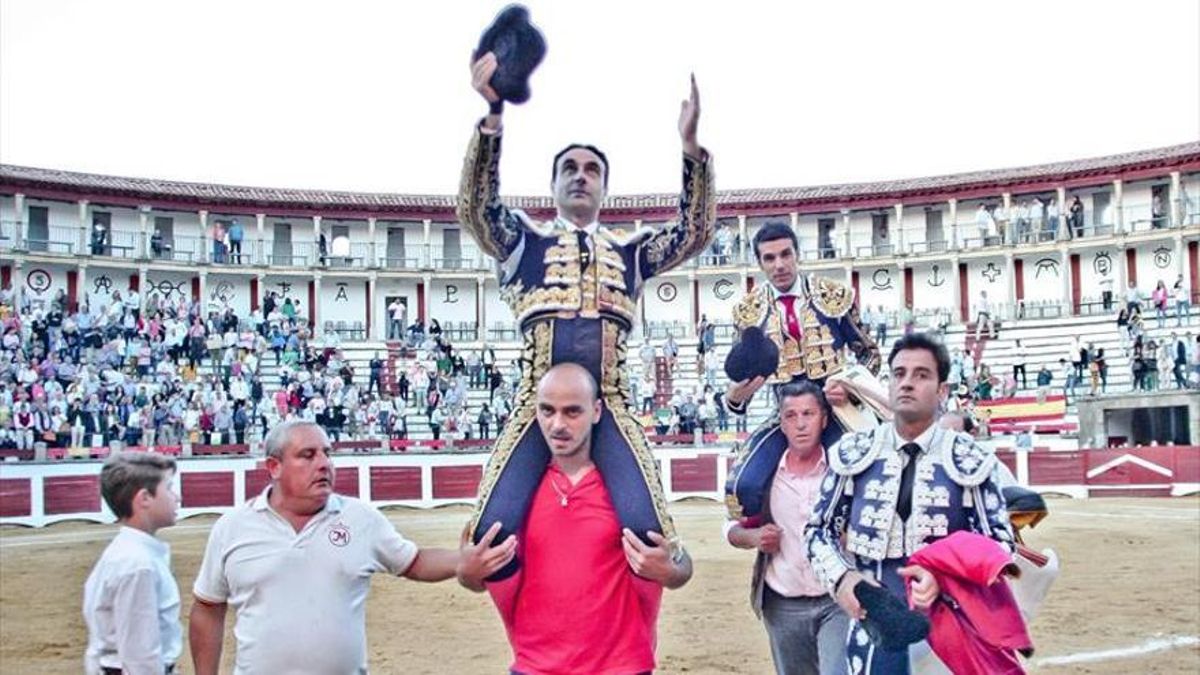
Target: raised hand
x: 481, y: 74
x: 689, y: 120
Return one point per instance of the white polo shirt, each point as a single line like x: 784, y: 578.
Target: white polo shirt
x: 300, y: 597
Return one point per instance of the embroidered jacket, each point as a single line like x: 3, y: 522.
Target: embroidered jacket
x: 953, y: 489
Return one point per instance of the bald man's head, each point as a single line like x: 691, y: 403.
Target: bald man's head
x: 568, y: 405
x: 571, y: 374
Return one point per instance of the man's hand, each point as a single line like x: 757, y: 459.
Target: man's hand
x: 689, y: 120
x: 924, y: 588
x: 835, y: 394
x: 653, y: 561
x: 481, y: 74
x: 768, y: 538
x: 479, y: 561
x: 845, y: 594
x: 740, y: 393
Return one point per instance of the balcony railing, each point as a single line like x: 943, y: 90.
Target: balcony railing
x: 62, y: 240
x: 938, y: 246
x: 875, y: 250
x: 403, y: 262
x: 466, y: 258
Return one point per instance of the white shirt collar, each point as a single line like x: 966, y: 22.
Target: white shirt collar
x: 590, y: 228
x: 796, y: 289
x: 142, y: 538
x: 924, y: 440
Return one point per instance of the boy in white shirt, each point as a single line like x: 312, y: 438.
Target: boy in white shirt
x: 131, y: 599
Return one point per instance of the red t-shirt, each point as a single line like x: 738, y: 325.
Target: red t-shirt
x: 575, y: 606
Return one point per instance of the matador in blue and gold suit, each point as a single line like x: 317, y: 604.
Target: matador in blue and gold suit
x: 573, y: 292
x: 814, y: 324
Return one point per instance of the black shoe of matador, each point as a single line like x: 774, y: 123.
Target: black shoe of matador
x: 753, y: 355
x: 890, y: 623
x: 519, y: 48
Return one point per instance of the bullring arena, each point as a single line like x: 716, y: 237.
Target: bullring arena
x: 188, y: 318
x: 1126, y: 531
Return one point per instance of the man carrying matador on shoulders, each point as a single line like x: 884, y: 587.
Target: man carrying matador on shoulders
x: 573, y: 286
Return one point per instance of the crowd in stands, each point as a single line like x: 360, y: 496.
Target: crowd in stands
x: 174, y: 371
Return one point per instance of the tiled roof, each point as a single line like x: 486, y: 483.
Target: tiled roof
x: 13, y: 177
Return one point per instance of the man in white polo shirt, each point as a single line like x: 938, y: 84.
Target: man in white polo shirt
x: 296, y: 563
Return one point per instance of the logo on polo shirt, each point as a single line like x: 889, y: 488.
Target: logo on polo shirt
x: 339, y: 535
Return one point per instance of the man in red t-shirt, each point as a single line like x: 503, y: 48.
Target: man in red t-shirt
x: 587, y: 596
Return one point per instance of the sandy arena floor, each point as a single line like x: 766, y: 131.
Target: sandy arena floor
x: 1131, y: 573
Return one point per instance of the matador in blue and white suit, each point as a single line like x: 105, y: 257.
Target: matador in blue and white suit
x: 855, y: 526
x: 573, y: 292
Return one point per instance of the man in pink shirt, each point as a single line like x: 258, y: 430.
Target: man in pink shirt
x: 807, y: 629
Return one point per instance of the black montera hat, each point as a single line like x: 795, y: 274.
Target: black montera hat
x: 890, y: 623
x: 753, y: 355
x: 519, y: 48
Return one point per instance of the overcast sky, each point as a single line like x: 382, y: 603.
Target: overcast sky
x: 375, y: 96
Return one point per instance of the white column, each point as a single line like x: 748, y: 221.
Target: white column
x: 900, y: 286
x: 1176, y: 196
x: 260, y: 225
x: 1180, y: 266
x: 144, y: 226
x: 480, y: 310
x: 19, y: 232
x: 80, y: 289
x: 846, y: 252
x: 314, y: 259
x: 373, y: 307
x: 428, y: 261
x: 203, y: 290
x: 205, y: 248
x: 1064, y: 232
x: 900, y: 245
x: 1118, y: 206
x: 84, y: 238
x: 18, y: 283
x: 427, y: 281
x: 955, y: 291
x: 1010, y: 235
x: 952, y: 234
x: 794, y: 218
x: 142, y: 272
x: 372, y: 250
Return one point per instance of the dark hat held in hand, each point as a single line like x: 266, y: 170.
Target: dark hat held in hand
x: 753, y: 355
x: 890, y: 623
x: 519, y: 48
